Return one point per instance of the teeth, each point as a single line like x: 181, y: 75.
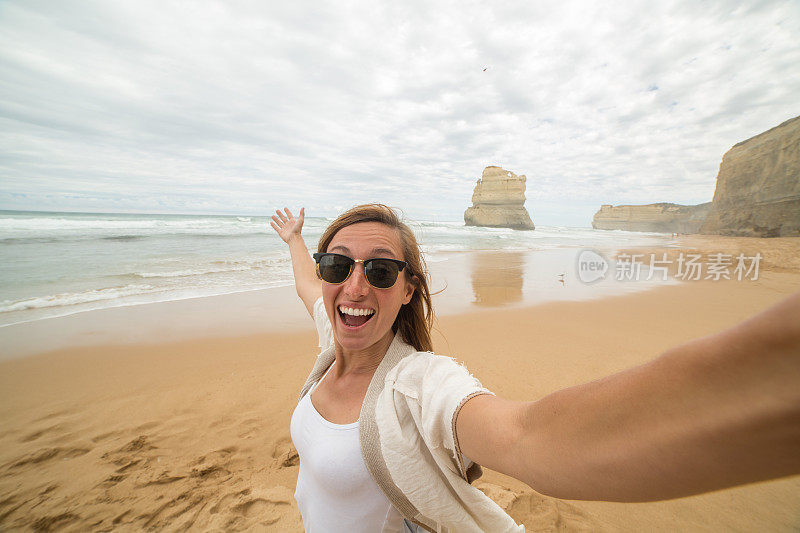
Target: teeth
x: 355, y: 312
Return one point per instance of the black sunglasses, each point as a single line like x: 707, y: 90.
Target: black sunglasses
x: 380, y: 272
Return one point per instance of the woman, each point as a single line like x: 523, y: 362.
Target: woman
x: 387, y: 432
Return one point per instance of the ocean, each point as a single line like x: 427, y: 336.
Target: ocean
x: 56, y: 264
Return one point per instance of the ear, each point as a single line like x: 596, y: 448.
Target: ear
x: 411, y: 286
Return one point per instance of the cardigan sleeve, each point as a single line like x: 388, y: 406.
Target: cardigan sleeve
x: 323, y: 324
x: 416, y: 416
x: 446, y: 386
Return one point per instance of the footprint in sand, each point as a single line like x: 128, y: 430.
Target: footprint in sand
x: 221, y: 423
x: 536, y: 512
x: 227, y: 450
x: 112, y: 480
x: 53, y: 522
x: 56, y: 414
x: 206, y: 471
x: 223, y: 502
x: 47, y: 454
x: 138, y: 444
x: 9, y: 504
x: 164, y: 478
x: 146, y: 426
x: 263, y: 507
x: 132, y: 459
x: 127, y: 466
x: 248, y: 433
x: 222, y: 457
x: 120, y: 517
x: 104, y: 436
x: 129, y: 453
x: 39, y: 433
x: 175, y: 510
x: 284, y: 454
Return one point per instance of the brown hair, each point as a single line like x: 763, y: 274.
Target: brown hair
x: 415, y: 318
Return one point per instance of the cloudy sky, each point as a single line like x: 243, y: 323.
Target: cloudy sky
x: 239, y: 107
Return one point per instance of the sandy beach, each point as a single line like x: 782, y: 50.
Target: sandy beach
x: 166, y: 166
x: 193, y: 433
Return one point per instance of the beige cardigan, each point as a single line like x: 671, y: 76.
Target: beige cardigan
x: 409, y: 443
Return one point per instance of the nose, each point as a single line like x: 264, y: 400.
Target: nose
x: 357, y: 285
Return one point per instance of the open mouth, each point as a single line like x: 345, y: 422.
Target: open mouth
x: 354, y: 318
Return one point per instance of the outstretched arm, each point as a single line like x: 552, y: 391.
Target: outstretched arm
x: 716, y: 412
x: 305, y: 274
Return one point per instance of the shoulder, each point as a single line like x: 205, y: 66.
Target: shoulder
x: 425, y: 374
x: 419, y: 364
x: 426, y: 391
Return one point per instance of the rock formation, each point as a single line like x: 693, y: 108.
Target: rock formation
x: 758, y: 186
x: 499, y: 201
x: 658, y: 218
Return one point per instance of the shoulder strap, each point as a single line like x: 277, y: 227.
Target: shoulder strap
x: 368, y: 429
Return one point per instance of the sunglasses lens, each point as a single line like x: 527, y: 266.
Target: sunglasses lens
x: 334, y: 268
x: 381, y: 273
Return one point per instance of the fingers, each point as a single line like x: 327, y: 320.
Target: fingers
x: 280, y: 220
x: 287, y: 217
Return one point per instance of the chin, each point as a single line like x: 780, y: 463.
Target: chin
x: 351, y: 346
x: 355, y: 343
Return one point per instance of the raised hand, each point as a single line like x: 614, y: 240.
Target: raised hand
x: 306, y: 283
x: 286, y: 226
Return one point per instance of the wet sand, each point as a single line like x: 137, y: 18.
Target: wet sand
x: 194, y: 432
x: 462, y: 282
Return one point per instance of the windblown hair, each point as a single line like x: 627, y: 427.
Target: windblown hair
x: 415, y: 319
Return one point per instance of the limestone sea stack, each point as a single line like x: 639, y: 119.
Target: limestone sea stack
x: 657, y: 218
x: 498, y: 201
x: 758, y: 186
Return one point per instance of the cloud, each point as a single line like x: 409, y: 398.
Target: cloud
x: 242, y: 107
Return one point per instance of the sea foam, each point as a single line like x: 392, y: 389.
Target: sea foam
x: 61, y: 263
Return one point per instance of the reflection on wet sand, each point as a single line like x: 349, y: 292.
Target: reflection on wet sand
x: 497, y: 278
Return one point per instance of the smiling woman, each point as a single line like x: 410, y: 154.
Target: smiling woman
x: 415, y: 317
x: 356, y: 334
x: 390, y: 436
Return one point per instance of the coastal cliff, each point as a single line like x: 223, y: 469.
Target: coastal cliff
x: 658, y: 218
x: 758, y: 186
x: 499, y: 201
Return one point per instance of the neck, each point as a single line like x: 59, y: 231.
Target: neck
x: 366, y: 361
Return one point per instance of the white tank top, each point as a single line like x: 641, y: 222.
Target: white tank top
x: 335, y: 492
